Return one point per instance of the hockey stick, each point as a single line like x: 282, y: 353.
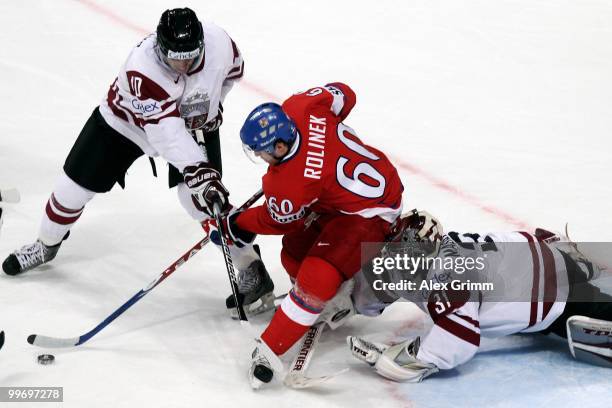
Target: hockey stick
x: 56, y: 342
x: 296, y: 378
x: 229, y: 264
x: 1, y: 339
x: 10, y: 195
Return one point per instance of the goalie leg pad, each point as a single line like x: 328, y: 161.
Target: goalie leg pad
x: 590, y: 340
x: 340, y: 308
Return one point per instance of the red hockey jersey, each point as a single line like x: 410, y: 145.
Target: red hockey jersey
x: 327, y: 170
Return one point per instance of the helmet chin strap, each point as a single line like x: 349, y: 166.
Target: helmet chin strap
x: 197, y: 61
x: 162, y: 57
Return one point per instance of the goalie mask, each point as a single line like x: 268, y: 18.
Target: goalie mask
x: 406, y: 244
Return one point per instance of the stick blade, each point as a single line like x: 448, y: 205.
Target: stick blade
x: 10, y: 195
x: 298, y: 381
x: 52, y: 342
x: 1, y: 339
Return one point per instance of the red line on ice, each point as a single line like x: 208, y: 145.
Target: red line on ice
x: 392, y: 388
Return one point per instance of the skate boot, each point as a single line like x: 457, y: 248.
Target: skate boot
x: 29, y: 257
x: 261, y: 371
x: 255, y: 290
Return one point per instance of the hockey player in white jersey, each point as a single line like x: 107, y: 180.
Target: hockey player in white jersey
x: 166, y: 101
x: 536, y: 283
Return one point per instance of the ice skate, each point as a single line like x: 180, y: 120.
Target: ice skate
x: 261, y: 371
x: 255, y: 291
x: 29, y: 257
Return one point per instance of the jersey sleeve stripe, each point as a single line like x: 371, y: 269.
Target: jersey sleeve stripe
x: 533, y: 314
x: 236, y: 72
x: 550, y: 279
x: 235, y: 50
x: 464, y: 322
x: 468, y: 319
x: 458, y: 330
x: 169, y: 109
x: 155, y: 121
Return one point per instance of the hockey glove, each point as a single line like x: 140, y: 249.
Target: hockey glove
x: 241, y: 237
x: 235, y: 235
x: 206, y: 188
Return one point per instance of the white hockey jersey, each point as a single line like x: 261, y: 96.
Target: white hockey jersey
x: 148, y: 101
x: 529, y: 290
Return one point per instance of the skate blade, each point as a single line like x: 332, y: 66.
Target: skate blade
x: 299, y: 381
x: 260, y: 306
x: 10, y: 195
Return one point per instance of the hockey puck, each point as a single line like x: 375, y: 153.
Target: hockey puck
x: 46, y: 359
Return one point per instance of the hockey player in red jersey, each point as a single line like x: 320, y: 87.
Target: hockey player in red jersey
x: 326, y: 193
x: 166, y: 101
x: 517, y: 282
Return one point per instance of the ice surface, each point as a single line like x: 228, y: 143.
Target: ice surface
x: 496, y: 112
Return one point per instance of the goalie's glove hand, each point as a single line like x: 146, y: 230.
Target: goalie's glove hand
x: 427, y: 227
x: 366, y: 351
x: 206, y: 188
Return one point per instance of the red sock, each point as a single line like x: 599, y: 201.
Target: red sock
x: 282, y: 333
x: 317, y: 282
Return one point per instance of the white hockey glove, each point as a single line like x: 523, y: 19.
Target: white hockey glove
x: 397, y: 362
x: 206, y: 188
x: 366, y: 351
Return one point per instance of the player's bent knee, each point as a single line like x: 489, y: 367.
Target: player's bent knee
x: 317, y: 279
x: 291, y: 265
x: 71, y: 195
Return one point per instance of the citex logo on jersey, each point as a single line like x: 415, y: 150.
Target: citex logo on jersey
x: 147, y: 107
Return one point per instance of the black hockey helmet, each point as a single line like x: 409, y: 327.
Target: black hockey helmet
x: 180, y: 35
